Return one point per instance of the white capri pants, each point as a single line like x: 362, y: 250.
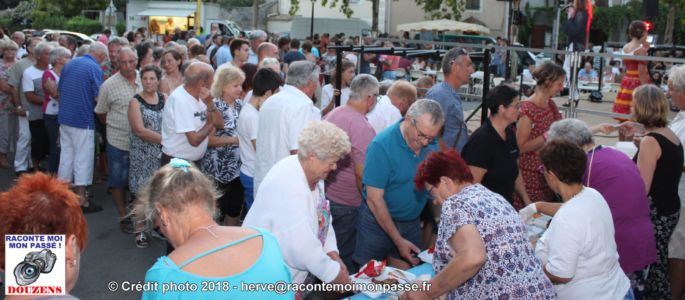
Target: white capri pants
x: 77, y: 156
x: 22, y: 158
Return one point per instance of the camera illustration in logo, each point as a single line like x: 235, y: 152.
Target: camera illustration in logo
x: 36, y: 262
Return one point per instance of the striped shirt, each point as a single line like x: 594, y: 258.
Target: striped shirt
x: 78, y: 87
x: 115, y: 95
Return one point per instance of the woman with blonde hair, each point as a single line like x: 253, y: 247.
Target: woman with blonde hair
x: 222, y: 159
x: 660, y: 161
x: 182, y: 202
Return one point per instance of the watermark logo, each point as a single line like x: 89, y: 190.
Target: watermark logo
x: 35, y: 264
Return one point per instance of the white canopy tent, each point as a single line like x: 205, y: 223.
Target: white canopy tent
x: 444, y: 25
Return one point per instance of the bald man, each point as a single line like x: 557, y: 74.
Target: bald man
x: 187, y: 120
x: 393, y: 106
x: 266, y: 50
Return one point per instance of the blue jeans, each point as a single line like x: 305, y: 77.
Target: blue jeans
x: 345, y: 226
x: 629, y: 295
x: 117, y: 163
x: 388, y: 75
x: 248, y: 185
x: 52, y: 128
x: 374, y: 243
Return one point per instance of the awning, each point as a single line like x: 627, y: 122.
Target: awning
x: 167, y: 12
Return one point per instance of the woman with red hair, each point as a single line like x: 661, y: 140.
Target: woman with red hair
x: 482, y: 251
x: 41, y: 204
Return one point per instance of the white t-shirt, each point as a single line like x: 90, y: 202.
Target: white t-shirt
x: 327, y: 95
x: 32, y: 81
x: 383, y: 115
x: 183, y: 113
x: 248, y: 124
x: 281, y: 119
x: 580, y: 245
x: 287, y: 208
x: 678, y: 127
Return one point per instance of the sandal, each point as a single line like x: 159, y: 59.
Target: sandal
x: 143, y: 240
x: 91, y: 207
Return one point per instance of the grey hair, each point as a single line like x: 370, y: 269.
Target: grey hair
x: 427, y: 106
x: 127, y: 49
x: 677, y: 77
x: 9, y: 45
x: 81, y: 51
x: 301, y: 72
x: 257, y: 34
x: 571, y: 130
x: 450, y: 57
x: 268, y: 62
x: 98, y: 48
x: 384, y: 86
x: 174, y: 188
x: 57, y: 53
x: 19, y: 33
x: 323, y: 140
x: 363, y: 85
x: 43, y: 47
x: 118, y: 41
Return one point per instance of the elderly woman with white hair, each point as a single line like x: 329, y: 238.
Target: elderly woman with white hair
x: 618, y: 180
x: 292, y: 205
x: 58, y: 58
x: 222, y: 159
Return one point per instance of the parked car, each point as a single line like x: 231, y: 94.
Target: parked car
x: 80, y: 37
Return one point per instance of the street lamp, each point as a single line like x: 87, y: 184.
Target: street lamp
x: 110, y: 14
x: 311, y: 25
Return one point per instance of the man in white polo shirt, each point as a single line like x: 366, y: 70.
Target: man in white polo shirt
x: 283, y: 116
x: 186, y: 120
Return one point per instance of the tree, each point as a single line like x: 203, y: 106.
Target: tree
x: 23, y: 11
x: 69, y: 8
x: 437, y: 9
x: 673, y: 7
x: 5, y: 4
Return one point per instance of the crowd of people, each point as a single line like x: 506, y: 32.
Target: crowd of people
x: 233, y: 150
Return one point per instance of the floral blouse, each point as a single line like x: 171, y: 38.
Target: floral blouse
x: 223, y: 163
x: 511, y: 270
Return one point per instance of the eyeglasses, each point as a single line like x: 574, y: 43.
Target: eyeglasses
x: 422, y: 135
x: 430, y: 190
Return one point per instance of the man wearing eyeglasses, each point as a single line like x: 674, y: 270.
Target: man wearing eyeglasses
x: 112, y: 109
x: 457, y: 67
x: 389, y: 226
x: 344, y: 185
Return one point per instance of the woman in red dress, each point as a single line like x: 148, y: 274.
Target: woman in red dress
x: 636, y: 71
x: 537, y: 114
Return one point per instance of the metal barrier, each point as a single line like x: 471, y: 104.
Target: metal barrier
x: 485, y: 57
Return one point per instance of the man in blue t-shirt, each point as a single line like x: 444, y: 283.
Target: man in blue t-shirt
x: 78, y: 88
x: 389, y: 226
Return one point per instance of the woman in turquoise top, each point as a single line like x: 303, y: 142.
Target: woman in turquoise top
x: 209, y: 261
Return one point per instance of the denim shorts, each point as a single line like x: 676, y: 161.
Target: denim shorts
x: 374, y: 243
x: 117, y: 165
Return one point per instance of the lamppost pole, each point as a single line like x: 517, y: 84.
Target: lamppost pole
x: 311, y: 24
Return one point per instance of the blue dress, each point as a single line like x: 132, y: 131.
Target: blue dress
x: 269, y: 268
